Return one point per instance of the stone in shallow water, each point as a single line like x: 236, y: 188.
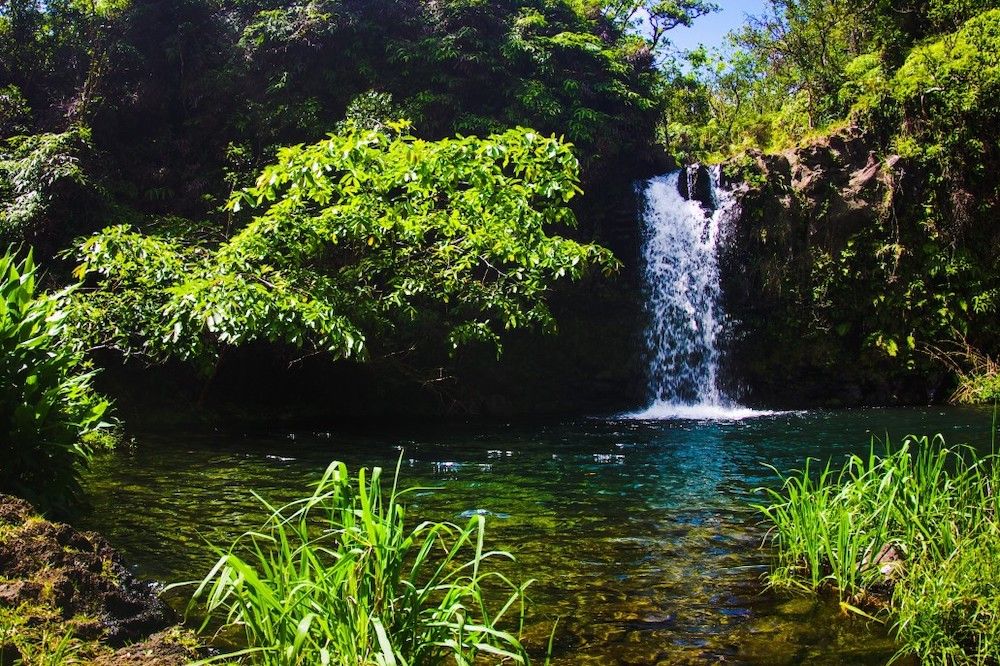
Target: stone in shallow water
x: 797, y: 607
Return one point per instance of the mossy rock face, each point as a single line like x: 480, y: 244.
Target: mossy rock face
x: 171, y: 647
x: 58, y: 581
x: 802, y: 276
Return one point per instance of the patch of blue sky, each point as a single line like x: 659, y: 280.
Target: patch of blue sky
x: 711, y: 30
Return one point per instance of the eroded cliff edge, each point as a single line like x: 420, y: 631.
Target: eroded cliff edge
x: 829, y: 273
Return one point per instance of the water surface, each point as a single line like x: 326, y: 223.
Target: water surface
x: 639, y: 533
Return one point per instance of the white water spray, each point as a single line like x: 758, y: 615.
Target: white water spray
x: 684, y: 300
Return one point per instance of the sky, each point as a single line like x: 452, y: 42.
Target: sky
x: 710, y: 30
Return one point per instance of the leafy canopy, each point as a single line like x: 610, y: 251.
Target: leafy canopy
x: 366, y: 232
x: 39, y: 175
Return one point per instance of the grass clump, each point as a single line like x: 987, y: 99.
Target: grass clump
x: 36, y: 634
x: 337, y: 578
x: 950, y: 610
x: 910, y: 533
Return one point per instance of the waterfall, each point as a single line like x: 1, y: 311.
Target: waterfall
x: 681, y: 252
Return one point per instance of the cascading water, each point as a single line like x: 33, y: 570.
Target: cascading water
x: 681, y: 255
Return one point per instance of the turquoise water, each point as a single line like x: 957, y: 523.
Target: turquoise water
x: 639, y: 533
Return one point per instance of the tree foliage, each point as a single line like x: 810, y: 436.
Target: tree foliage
x: 919, y: 84
x: 655, y: 18
x: 367, y: 234
x: 43, y: 187
x: 170, y: 88
x: 799, y: 67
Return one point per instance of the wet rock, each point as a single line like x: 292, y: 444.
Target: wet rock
x: 695, y: 184
x: 889, y: 562
x: 796, y: 207
x: 19, y: 592
x: 77, y: 574
x: 14, y: 511
x: 798, y: 607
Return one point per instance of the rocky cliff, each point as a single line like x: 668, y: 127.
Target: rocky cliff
x: 825, y: 231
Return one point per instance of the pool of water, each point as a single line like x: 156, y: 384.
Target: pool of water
x: 640, y: 534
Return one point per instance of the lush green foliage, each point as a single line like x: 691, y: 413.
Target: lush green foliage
x: 948, y: 93
x: 339, y: 578
x: 43, y: 187
x: 48, y: 410
x: 362, y: 234
x: 183, y: 102
x: 173, y: 90
x: 776, y: 81
x: 949, y: 612
x: 916, y: 84
x: 909, y: 528
x: 940, y: 268
x: 978, y: 374
x: 802, y: 65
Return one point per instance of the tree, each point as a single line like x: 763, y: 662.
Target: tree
x: 365, y: 235
x: 807, y: 45
x: 655, y: 18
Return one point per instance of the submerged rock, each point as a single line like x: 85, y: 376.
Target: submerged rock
x: 76, y: 583
x: 889, y: 562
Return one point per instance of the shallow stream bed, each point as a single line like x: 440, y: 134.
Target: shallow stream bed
x: 640, y: 534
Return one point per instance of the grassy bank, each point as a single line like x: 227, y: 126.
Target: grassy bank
x: 907, y: 534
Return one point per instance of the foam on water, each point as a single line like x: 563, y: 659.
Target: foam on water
x: 666, y: 411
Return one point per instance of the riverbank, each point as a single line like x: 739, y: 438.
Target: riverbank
x: 906, y: 534
x: 67, y: 597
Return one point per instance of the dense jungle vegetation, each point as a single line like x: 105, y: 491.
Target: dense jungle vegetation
x: 869, y: 131
x: 151, y: 118
x: 410, y: 181
x: 152, y: 115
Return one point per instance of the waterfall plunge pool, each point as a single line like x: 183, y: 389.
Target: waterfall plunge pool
x: 639, y: 534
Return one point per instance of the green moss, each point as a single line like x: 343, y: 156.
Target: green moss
x: 109, y: 571
x: 42, y: 637
x: 745, y: 168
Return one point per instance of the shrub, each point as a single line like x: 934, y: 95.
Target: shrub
x: 49, y: 413
x: 45, y: 195
x: 978, y: 374
x: 949, y: 89
x: 336, y: 577
x: 365, y: 235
